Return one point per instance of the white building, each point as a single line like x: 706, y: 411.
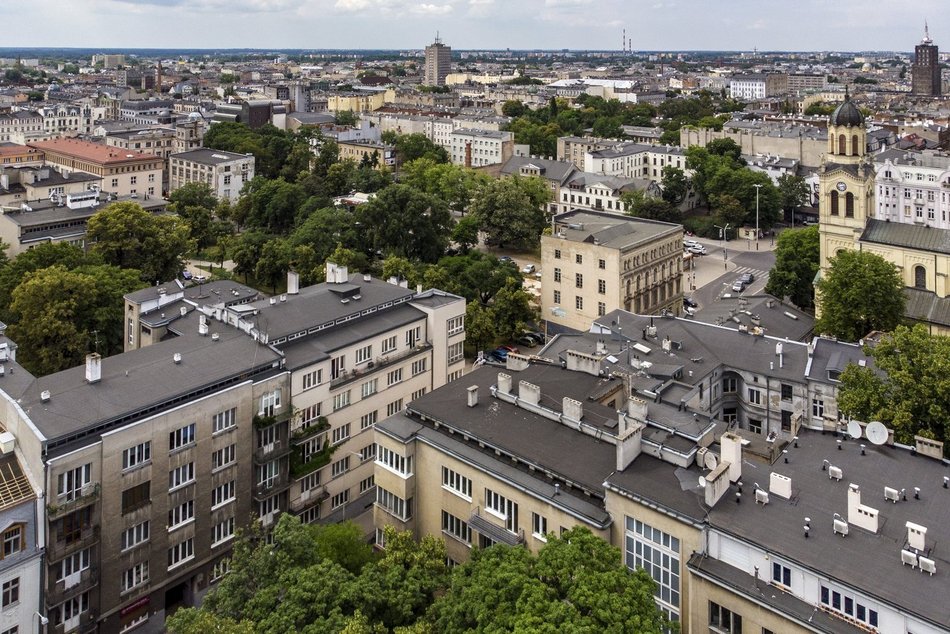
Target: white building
x: 913, y: 187
x: 477, y: 148
x: 224, y: 172
x: 751, y: 87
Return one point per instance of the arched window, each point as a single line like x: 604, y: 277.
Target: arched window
x: 849, y: 205
x: 855, y: 150
x: 842, y: 144
x: 834, y: 203
x: 920, y: 277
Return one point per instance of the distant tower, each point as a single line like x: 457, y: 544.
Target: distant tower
x: 438, y: 62
x: 926, y: 67
x: 158, y: 77
x: 623, y: 41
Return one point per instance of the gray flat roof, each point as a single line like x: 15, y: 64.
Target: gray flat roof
x: 45, y: 212
x: 211, y: 157
x: 610, y: 230
x: 774, y: 319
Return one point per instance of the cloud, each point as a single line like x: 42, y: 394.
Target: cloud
x: 234, y: 6
x: 431, y: 9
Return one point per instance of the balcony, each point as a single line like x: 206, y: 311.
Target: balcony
x: 262, y: 421
x: 59, y: 547
x: 493, y: 531
x: 81, y: 623
x: 72, y: 585
x: 299, y: 468
x: 379, y: 363
x: 272, y: 451
x: 88, y: 495
x: 303, y: 434
x: 271, y: 486
x: 309, y: 498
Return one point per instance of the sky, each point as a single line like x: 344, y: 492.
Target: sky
x: 798, y: 25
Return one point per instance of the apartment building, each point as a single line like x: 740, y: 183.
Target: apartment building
x: 20, y: 124
x: 123, y: 172
x: 752, y: 87
x: 377, y: 153
x: 20, y: 155
x: 596, y: 262
x: 913, y: 187
x: 158, y: 142
x: 478, y: 148
x: 21, y: 560
x: 635, y: 160
x: 438, y: 63
x: 22, y: 184
x: 741, y: 530
x: 224, y: 172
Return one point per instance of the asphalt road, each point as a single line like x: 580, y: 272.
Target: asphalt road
x: 713, y: 278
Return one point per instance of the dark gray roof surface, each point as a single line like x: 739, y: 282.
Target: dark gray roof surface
x: 774, y: 320
x: 649, y: 478
x: 910, y: 236
x: 926, y: 306
x: 45, y: 212
x: 553, y: 170
x: 209, y: 157
x: 862, y: 560
x: 611, y: 230
x: 847, y: 114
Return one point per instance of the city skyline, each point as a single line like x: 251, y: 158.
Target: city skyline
x: 739, y: 25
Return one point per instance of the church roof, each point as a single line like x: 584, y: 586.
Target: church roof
x: 926, y: 306
x: 847, y: 114
x: 898, y: 234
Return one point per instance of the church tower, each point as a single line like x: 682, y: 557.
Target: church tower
x: 845, y: 182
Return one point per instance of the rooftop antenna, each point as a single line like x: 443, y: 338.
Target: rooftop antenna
x: 96, y: 334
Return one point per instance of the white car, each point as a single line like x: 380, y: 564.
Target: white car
x: 690, y: 243
x: 696, y: 249
x: 528, y: 269
x: 199, y: 279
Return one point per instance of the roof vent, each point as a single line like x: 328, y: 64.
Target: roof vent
x: 272, y: 301
x: 840, y: 526
x: 835, y: 473
x: 283, y: 297
x: 44, y: 396
x: 177, y: 357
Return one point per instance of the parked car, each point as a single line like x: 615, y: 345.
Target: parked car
x: 528, y: 269
x: 498, y: 355
x: 738, y: 286
x: 508, y: 348
x: 689, y: 302
x: 537, y: 336
x: 697, y: 249
x: 526, y: 341
x: 199, y: 278
x: 186, y: 275
x: 748, y: 278
x: 690, y: 243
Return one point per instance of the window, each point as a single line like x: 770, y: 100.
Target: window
x: 222, y: 457
x: 602, y: 286
x: 310, y: 414
x: 781, y: 574
x: 392, y: 503
x: 817, y: 408
x: 557, y: 254
x: 579, y: 259
x: 503, y: 508
x: 369, y: 388
x: 786, y: 392
x: 364, y: 354
x: 136, y: 535
x: 368, y: 420
x: 70, y: 484
x: 222, y: 532
x: 418, y: 367
x: 755, y: 396
x: 337, y: 367
x: 456, y: 483
x: 137, y: 455
x: 834, y: 203
x: 557, y: 275
x: 181, y: 514
x: 602, y: 264
x: 394, y: 377
x: 849, y: 205
x: 135, y: 576
x: 848, y: 605
x: 557, y: 297
x: 578, y: 280
x: 455, y: 353
x: 222, y: 494
x: 578, y: 302
x: 136, y: 497
x: 658, y: 553
x: 341, y: 433
x: 10, y: 593
x: 340, y: 499
x: 724, y: 620
x: 180, y: 476
x: 455, y: 325
x: 341, y: 400
x: 729, y: 384
x: 394, y: 408
x: 180, y: 553
x: 539, y: 527
x: 455, y: 528
x: 310, y: 481
x: 755, y: 426
x: 389, y: 344
x: 181, y: 437
x: 601, y: 309
x: 70, y: 610
x: 920, y: 277
x: 13, y: 541
x: 223, y: 420
x: 220, y: 568
x: 386, y: 457
x: 418, y: 394
x: 340, y: 467
x: 366, y: 484
x: 70, y: 568
x: 312, y: 379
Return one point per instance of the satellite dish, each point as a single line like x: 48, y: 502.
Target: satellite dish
x: 710, y: 461
x: 877, y: 433
x: 854, y: 429
x: 702, y: 482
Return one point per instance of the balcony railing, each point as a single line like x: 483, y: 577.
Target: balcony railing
x: 272, y: 451
x: 89, y: 494
x: 84, y: 580
x: 303, y: 434
x: 271, y: 486
x: 378, y: 363
x: 309, y: 498
x: 261, y: 421
x: 59, y: 547
x: 300, y: 468
x: 493, y: 531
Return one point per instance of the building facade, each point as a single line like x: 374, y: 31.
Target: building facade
x: 438, y: 63
x: 224, y: 172
x: 926, y: 70
x: 123, y: 172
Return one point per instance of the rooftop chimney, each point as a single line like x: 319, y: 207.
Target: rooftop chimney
x: 529, y: 392
x: 731, y: 453
x: 293, y: 282
x: 472, y: 395
x: 858, y: 514
x: 93, y: 367
x: 504, y: 383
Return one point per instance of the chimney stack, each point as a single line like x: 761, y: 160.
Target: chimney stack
x: 293, y: 282
x: 93, y: 367
x: 473, y: 396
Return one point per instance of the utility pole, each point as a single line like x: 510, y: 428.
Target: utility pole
x: 757, y: 186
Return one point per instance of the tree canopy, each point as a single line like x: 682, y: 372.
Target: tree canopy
x: 860, y: 292
x: 796, y: 264
x: 511, y: 210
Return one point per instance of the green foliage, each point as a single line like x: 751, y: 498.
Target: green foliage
x: 511, y: 211
x: 346, y: 117
x: 44, y: 255
x: 270, y: 204
x: 721, y: 178
x: 125, y: 235
x: 796, y: 264
x: 794, y: 191
x: 512, y: 310
x: 513, y: 108
x: 675, y: 185
x: 60, y: 314
x: 859, y: 293
x: 465, y: 233
x: 452, y: 183
x: 819, y: 108
x: 273, y: 263
x: 246, y: 250
x: 404, y: 221
x: 196, y: 204
x: 639, y: 205
x: 411, y: 147
x: 913, y: 394
x: 270, y: 146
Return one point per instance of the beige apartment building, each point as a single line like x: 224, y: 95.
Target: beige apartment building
x: 597, y: 262
x: 158, y: 142
x: 224, y: 172
x: 123, y: 172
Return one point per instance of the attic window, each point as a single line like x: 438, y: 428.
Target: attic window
x: 834, y: 375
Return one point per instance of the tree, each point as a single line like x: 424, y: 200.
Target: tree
x: 577, y: 583
x: 272, y: 204
x: 246, y: 251
x: 859, y: 293
x: 674, y: 185
x: 480, y: 325
x: 512, y: 310
x: 794, y: 192
x: 125, y: 235
x: 513, y: 108
x: 465, y: 233
x: 406, y: 222
x: 272, y: 265
x: 410, y: 147
x: 639, y: 205
x: 60, y: 314
x: 511, y: 210
x: 452, y: 183
x: 796, y: 264
x: 41, y: 256
x: 192, y: 195
x: 347, y: 118
x: 908, y: 390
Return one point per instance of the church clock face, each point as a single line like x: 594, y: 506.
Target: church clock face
x: 841, y: 186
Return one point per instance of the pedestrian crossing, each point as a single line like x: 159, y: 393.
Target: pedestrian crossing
x: 758, y: 273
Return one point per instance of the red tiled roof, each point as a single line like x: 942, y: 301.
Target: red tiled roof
x: 95, y: 152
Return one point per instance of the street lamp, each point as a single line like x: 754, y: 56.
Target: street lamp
x: 757, y: 186
x: 722, y: 243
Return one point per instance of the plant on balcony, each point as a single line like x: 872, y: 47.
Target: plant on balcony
x: 300, y: 468
x: 313, y: 429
